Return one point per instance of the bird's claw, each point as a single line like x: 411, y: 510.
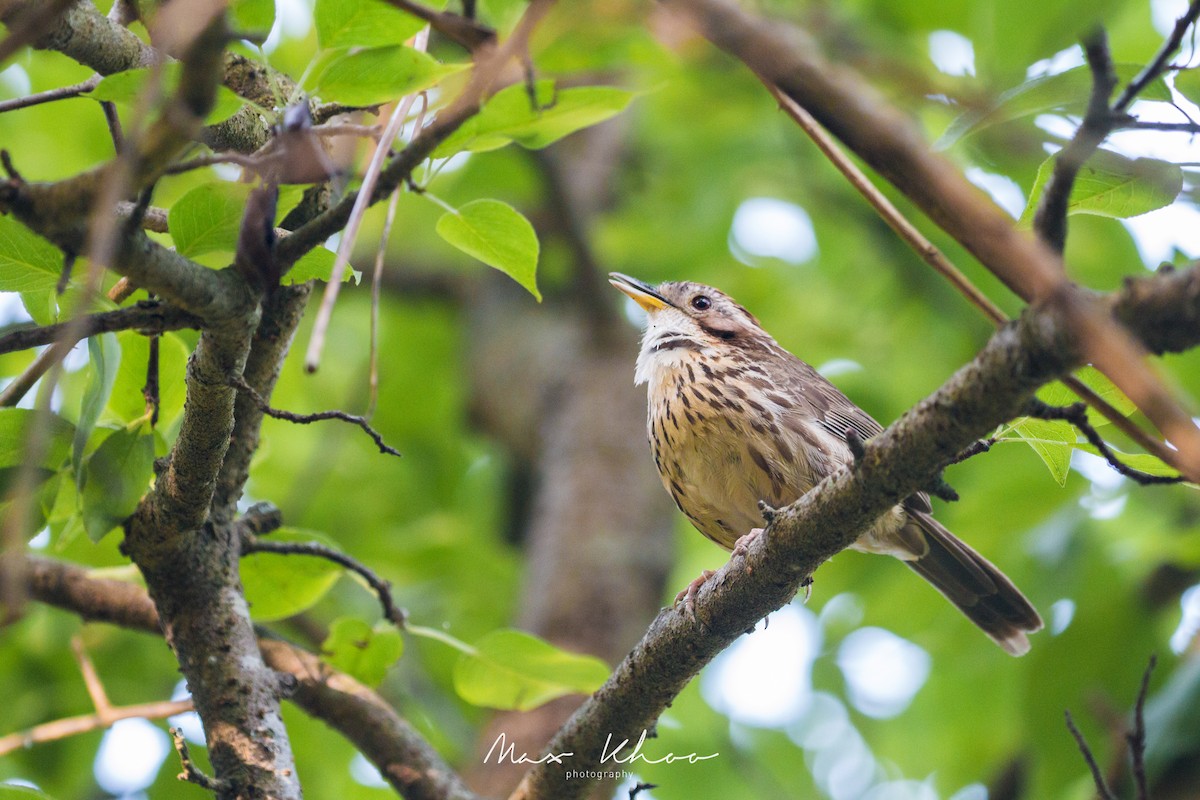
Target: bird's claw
x: 742, y: 546
x: 688, y: 595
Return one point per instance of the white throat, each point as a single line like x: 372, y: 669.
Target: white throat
x: 660, y: 354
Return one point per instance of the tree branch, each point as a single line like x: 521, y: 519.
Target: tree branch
x: 988, y: 391
x: 50, y: 95
x: 150, y: 316
x: 281, y: 314
x: 1050, y: 219
x: 404, y: 759
x: 86, y: 723
x: 1158, y: 65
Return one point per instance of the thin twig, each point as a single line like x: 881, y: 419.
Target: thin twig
x: 980, y: 446
x: 73, y: 726
x: 461, y: 30
x: 1076, y: 414
x: 1097, y: 776
x: 1050, y: 219
x: 1161, y: 61
x: 1138, y: 125
x: 934, y: 257
x: 926, y: 249
x: 147, y: 316
x: 50, y: 95
x: 382, y: 588
x: 113, y: 120
x: 239, y: 383
x: 1137, y: 737
x: 91, y: 680
x: 350, y: 233
x: 191, y: 773
x: 200, y: 162
x: 150, y: 390
x: 376, y: 292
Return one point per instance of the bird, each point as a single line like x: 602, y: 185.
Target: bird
x: 735, y: 421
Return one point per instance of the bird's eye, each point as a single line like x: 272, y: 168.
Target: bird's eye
x: 701, y: 303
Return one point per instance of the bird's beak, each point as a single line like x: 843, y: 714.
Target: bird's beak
x: 642, y: 293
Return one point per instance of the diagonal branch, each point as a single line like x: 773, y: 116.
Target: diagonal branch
x: 991, y: 389
x: 934, y: 257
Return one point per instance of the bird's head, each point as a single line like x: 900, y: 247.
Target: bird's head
x: 686, y: 319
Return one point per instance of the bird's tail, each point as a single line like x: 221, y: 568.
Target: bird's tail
x: 975, y: 585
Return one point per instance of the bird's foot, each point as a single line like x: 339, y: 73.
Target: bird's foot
x: 742, y: 546
x: 807, y: 586
x: 688, y: 595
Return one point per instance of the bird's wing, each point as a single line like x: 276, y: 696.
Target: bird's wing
x: 832, y: 409
x: 837, y: 414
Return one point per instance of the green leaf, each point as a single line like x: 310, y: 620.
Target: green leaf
x: 514, y: 670
x: 1057, y: 394
x: 41, y: 305
x: 124, y: 88
x: 1187, y: 82
x: 1052, y: 440
x: 290, y: 195
x: 279, y: 586
x: 28, y: 263
x: 1111, y: 185
x: 207, y: 219
x: 496, y: 234
x: 510, y: 116
x: 317, y: 263
x: 253, y: 16
x: 115, y: 478
x: 375, y: 76
x: 1067, y: 92
x: 356, y: 648
x: 362, y: 23
x: 15, y: 426
x: 105, y: 355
